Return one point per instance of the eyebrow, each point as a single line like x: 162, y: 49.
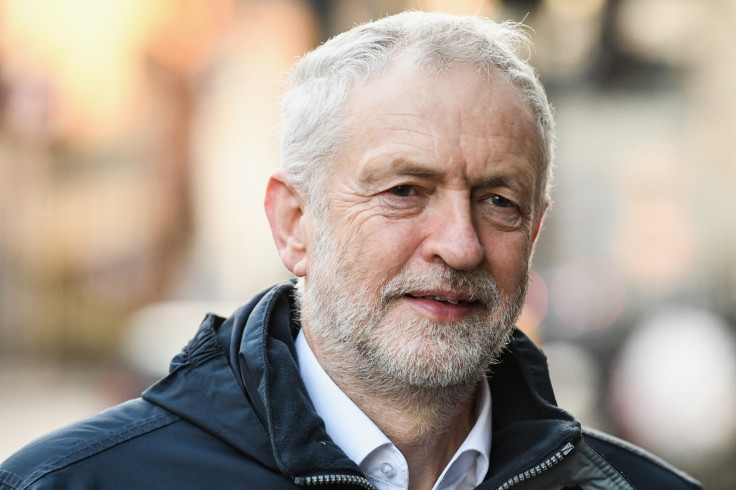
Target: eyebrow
x: 397, y: 167
x: 495, y: 181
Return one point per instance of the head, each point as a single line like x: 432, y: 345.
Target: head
x: 417, y: 152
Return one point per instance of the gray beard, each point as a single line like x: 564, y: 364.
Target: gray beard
x: 413, y: 359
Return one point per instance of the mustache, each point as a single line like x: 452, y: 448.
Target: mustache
x: 478, y: 285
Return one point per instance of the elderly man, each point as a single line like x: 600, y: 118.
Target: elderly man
x: 417, y: 153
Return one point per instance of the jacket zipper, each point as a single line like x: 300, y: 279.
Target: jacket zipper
x: 330, y: 479
x: 540, y: 468
x: 334, y: 479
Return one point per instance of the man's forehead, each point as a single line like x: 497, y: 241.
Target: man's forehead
x: 458, y: 126
x: 406, y: 78
x: 409, y: 98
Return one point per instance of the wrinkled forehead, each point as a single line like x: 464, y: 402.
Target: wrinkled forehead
x: 408, y: 77
x: 462, y: 100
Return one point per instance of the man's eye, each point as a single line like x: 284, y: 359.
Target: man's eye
x: 502, y: 211
x: 500, y: 201
x: 402, y: 190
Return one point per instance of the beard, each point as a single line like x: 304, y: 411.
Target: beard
x: 391, y: 353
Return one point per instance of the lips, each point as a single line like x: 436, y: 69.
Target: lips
x: 446, y: 296
x: 442, y: 306
x: 442, y: 299
x: 441, y: 294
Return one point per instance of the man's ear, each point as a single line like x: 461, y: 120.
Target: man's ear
x: 286, y: 214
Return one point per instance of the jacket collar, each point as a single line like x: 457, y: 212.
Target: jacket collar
x: 528, y: 426
x: 238, y: 380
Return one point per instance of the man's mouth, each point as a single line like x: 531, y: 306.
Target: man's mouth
x: 444, y: 299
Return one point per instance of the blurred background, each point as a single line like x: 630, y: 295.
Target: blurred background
x: 136, y: 138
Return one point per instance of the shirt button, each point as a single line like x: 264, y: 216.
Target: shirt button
x: 388, y: 470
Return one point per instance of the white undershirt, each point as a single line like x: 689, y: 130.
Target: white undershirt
x: 378, y: 458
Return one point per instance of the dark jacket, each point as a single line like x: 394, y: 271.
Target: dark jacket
x: 233, y: 414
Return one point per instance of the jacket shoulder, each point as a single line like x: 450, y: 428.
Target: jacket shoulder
x: 81, y: 441
x: 641, y: 468
x: 136, y: 445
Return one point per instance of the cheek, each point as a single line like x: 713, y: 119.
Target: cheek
x: 507, y: 255
x: 381, y: 249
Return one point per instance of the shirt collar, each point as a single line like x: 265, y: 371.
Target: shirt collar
x: 358, y: 436
x: 479, y: 438
x: 346, y: 424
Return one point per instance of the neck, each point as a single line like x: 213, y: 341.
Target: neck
x: 427, y: 425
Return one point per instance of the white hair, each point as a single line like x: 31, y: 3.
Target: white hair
x: 313, y: 129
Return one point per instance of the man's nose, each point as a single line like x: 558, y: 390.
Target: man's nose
x: 453, y: 237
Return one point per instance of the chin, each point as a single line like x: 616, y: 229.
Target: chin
x: 430, y: 362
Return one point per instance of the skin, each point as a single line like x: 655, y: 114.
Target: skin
x: 440, y: 170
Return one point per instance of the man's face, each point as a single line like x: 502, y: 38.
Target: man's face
x: 420, y: 265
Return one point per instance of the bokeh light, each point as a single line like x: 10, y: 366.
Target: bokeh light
x: 674, y: 387
x: 588, y: 293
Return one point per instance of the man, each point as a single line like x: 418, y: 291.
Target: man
x: 417, y: 153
